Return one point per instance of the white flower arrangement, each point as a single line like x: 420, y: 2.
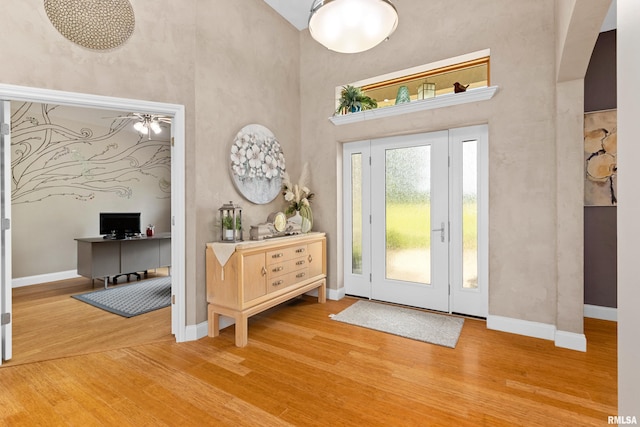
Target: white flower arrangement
x: 297, y: 195
x: 256, y: 156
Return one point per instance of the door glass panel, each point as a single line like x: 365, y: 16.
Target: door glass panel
x: 356, y: 213
x: 470, y: 214
x: 408, y: 214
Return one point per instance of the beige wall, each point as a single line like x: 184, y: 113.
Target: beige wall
x: 521, y: 119
x: 229, y: 63
x: 535, y: 213
x: 247, y: 71
x: 235, y: 63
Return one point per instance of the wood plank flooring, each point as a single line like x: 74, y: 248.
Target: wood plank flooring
x: 49, y: 324
x: 302, y: 368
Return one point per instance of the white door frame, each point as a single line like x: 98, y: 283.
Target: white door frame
x: 6, y: 329
x: 177, y: 112
x: 474, y: 302
x: 459, y: 299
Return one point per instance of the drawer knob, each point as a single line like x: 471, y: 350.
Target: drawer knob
x: 264, y: 271
x: 310, y: 258
x: 278, y: 255
x: 299, y: 275
x: 300, y: 262
x: 299, y: 251
x: 274, y: 270
x: 278, y: 283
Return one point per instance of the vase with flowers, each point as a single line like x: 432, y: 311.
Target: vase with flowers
x: 299, y: 197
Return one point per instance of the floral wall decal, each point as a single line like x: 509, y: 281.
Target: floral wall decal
x: 257, y: 164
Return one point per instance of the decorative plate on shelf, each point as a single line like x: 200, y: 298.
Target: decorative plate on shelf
x: 279, y: 220
x: 257, y: 164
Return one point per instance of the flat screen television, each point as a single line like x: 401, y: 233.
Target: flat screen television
x: 119, y: 225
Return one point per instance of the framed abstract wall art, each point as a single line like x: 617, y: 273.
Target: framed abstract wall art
x: 600, y: 155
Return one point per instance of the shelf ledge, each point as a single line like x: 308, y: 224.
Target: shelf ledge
x: 446, y: 100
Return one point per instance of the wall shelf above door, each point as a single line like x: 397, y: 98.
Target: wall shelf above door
x: 446, y: 100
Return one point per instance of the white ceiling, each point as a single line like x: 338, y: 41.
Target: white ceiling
x: 297, y: 13
x: 294, y: 11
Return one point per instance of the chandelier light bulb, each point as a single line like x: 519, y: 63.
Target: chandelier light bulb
x: 155, y: 127
x: 138, y: 126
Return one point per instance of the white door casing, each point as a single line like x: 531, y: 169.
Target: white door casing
x: 177, y: 113
x: 6, y: 330
x: 459, y: 160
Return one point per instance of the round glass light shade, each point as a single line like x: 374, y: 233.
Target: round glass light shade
x: 155, y: 127
x: 351, y: 26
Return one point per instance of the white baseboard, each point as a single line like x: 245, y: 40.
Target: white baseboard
x: 43, y: 278
x: 544, y: 331
x: 602, y: 313
x: 571, y: 340
x: 201, y: 330
x: 521, y: 327
x: 195, y: 332
x: 335, y: 294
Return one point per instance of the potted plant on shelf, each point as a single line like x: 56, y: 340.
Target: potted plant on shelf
x: 227, y: 225
x: 353, y: 99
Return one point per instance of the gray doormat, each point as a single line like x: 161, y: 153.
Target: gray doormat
x: 131, y: 300
x: 406, y: 322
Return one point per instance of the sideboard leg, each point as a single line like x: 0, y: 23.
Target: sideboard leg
x: 214, y: 323
x: 322, y: 292
x: 242, y: 330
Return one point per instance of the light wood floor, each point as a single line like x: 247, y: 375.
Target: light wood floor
x: 302, y: 368
x: 49, y: 324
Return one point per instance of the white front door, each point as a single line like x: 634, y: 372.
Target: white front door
x: 413, y: 212
x: 402, y: 252
x: 5, y: 224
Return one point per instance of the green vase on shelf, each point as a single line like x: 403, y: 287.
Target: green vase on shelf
x: 403, y: 95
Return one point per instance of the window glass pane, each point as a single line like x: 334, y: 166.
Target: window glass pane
x: 470, y: 214
x: 408, y: 214
x: 356, y: 213
x: 473, y: 76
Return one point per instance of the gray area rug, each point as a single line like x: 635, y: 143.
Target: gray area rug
x: 406, y: 322
x: 131, y: 300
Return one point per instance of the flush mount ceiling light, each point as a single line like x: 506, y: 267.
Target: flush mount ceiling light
x: 351, y: 26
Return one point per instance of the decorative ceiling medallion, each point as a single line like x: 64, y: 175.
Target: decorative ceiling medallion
x: 94, y: 24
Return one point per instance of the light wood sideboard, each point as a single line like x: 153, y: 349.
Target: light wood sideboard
x: 259, y: 275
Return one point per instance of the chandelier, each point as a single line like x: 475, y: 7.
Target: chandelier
x: 147, y: 124
x: 351, y: 26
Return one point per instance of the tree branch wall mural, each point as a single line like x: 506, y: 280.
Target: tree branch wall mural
x: 52, y: 160
x: 68, y: 165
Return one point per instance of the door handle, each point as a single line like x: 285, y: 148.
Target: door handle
x: 441, y: 230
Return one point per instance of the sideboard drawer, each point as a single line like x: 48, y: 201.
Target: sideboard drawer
x: 285, y: 254
x: 287, y: 280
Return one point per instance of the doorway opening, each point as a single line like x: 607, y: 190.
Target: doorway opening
x: 177, y: 205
